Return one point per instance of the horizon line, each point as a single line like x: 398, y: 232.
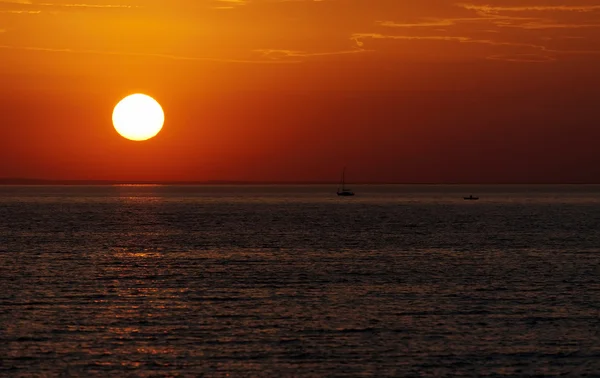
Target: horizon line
x: 58, y: 182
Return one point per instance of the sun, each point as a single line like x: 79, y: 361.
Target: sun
x: 138, y: 117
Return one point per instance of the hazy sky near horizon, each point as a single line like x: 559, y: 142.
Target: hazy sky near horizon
x: 397, y: 90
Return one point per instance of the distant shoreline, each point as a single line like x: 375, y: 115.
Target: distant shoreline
x: 40, y: 182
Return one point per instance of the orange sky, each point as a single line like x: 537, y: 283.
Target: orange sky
x: 397, y: 90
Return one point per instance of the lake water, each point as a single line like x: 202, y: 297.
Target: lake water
x: 295, y: 281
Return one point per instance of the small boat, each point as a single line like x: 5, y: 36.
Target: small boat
x: 471, y: 198
x: 344, y: 191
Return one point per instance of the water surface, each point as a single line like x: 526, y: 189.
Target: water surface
x: 293, y: 280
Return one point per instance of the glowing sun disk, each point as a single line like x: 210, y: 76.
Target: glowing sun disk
x: 138, y: 117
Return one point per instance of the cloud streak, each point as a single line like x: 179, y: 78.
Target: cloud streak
x: 28, y: 7
x: 359, y: 37
x: 278, y: 54
x: 300, y: 30
x: 229, y: 4
x: 488, y: 9
x: 533, y: 27
x: 149, y: 55
x: 523, y: 58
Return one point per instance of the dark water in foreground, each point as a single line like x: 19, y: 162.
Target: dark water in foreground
x: 281, y: 281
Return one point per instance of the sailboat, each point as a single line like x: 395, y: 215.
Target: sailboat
x: 344, y: 191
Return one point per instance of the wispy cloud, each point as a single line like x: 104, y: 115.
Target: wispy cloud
x: 526, y: 58
x: 496, y: 17
x: 141, y: 54
x: 15, y: 11
x: 498, y: 20
x: 548, y: 24
x: 28, y: 7
x: 514, y: 32
x: 539, y: 53
x: 228, y: 4
x: 278, y: 54
x: 359, y: 37
x: 489, y: 9
x: 426, y: 23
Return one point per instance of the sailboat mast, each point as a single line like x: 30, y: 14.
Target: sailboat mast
x: 344, y: 191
